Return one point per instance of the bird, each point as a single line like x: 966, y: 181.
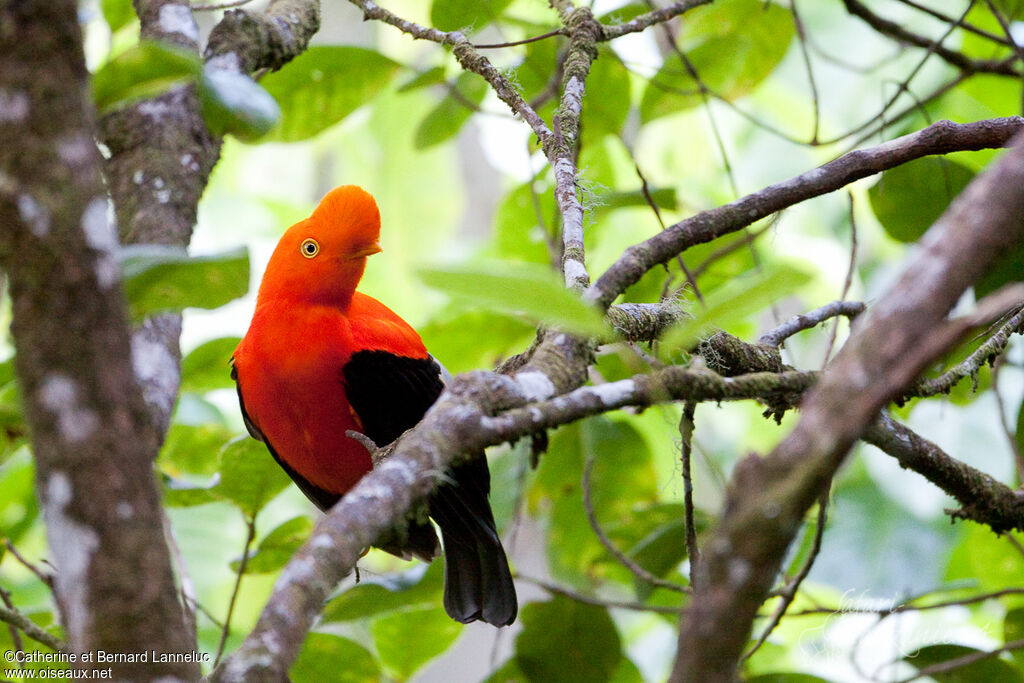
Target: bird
x: 321, y: 359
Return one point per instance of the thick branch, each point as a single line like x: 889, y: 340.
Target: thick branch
x: 90, y: 428
x: 982, y: 498
x: 941, y: 137
x: 162, y: 155
x: 450, y: 430
x: 769, y: 497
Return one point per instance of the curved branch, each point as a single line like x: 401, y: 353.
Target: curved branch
x: 648, y: 19
x: 468, y: 57
x: 941, y: 137
x: 806, y: 321
x: 1003, y: 67
x: 769, y: 496
x: 982, y: 498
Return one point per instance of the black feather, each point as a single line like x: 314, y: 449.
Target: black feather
x: 390, y: 394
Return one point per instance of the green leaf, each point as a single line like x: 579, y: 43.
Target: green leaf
x: 909, y: 198
x: 622, y: 481
x: 447, y: 118
x: 564, y: 640
x: 18, y: 504
x: 193, y: 449
x: 1019, y: 432
x: 117, y: 13
x: 432, y: 76
x: 663, y: 547
x: 158, y: 279
x: 534, y: 73
x: 606, y: 99
x: 1013, y: 629
x: 754, y: 34
x: 990, y: 560
x: 471, y: 340
x: 407, y: 640
x: 235, y: 104
x: 732, y: 302
x: 277, y: 547
x: 508, y: 673
x: 322, y: 86
x: 523, y: 289
x: 208, y: 366
x: 982, y: 671
x: 183, y: 494
x: 249, y: 477
x: 518, y: 234
x: 458, y: 15
x: 418, y: 588
x: 145, y: 70
x: 326, y: 657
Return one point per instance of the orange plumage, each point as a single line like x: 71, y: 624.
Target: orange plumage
x: 320, y: 359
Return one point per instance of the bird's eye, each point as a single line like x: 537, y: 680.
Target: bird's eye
x: 309, y: 248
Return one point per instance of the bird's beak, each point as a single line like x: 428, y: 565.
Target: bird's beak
x: 368, y: 250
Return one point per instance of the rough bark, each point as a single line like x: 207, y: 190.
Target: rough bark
x: 90, y: 427
x: 894, y: 341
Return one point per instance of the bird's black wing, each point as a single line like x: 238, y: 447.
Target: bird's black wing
x: 390, y: 394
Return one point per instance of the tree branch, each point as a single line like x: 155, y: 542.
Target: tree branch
x: 982, y: 498
x: 970, y: 366
x: 941, y: 137
x: 450, y: 430
x: 1004, y: 67
x: 90, y: 427
x: 19, y: 621
x: 648, y: 19
x: 769, y: 496
x: 806, y: 321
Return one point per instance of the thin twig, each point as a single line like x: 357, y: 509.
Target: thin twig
x: 1008, y: 431
x: 805, y: 55
x: 514, y: 43
x: 686, y: 427
x: 219, y: 5
x: 907, y: 606
x: 954, y: 58
x: 806, y: 321
x: 970, y: 366
x: 847, y: 283
x: 960, y: 662
x: 249, y: 538
x: 948, y: 19
x: 625, y: 561
x: 645, y: 21
x: 19, y: 646
x: 40, y: 574
x: 587, y: 600
x: 31, y: 629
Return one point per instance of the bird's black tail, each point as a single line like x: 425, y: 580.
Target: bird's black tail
x: 477, y: 582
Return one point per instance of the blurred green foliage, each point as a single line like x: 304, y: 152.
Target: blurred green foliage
x: 433, y: 144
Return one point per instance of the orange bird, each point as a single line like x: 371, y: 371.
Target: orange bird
x: 321, y: 359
